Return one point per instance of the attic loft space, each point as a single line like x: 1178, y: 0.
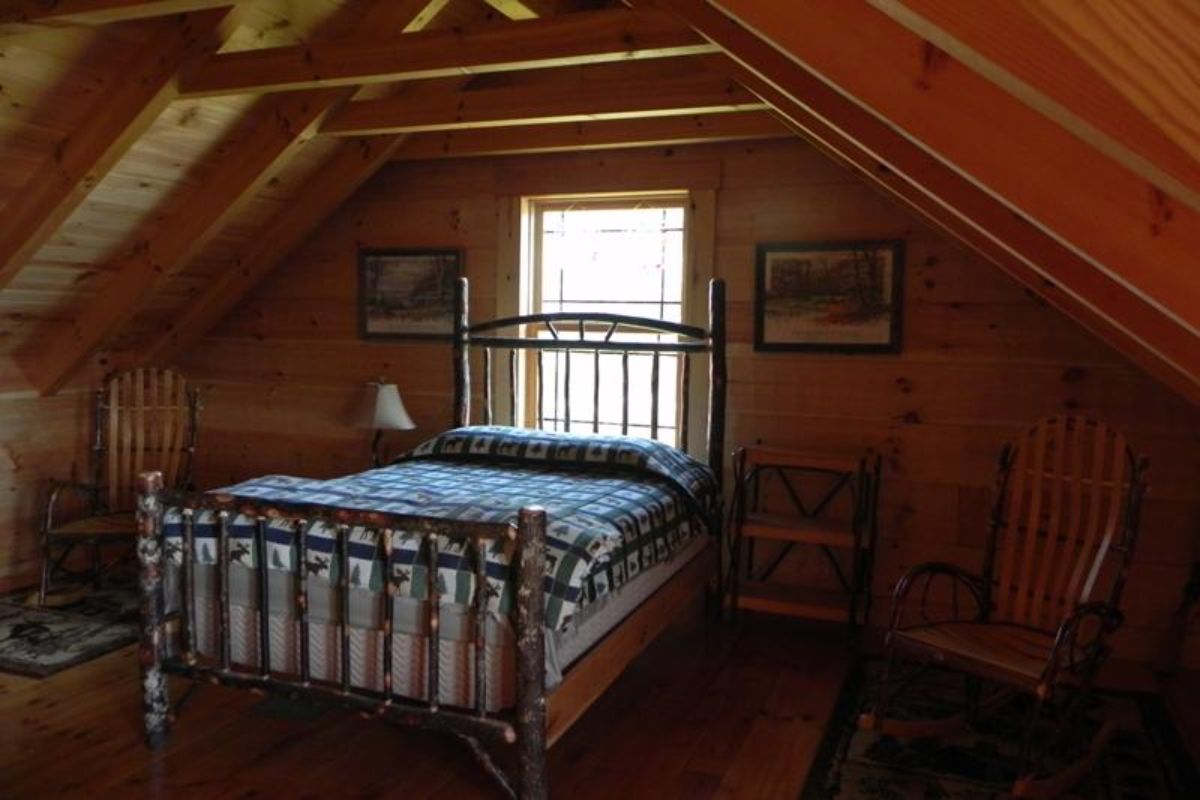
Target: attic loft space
x: 774, y: 309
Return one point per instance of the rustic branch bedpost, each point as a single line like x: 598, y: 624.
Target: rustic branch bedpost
x: 716, y: 422
x: 531, y: 655
x: 155, y: 700
x: 462, y: 356
x: 716, y: 377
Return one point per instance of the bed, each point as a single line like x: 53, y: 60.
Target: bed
x: 490, y: 584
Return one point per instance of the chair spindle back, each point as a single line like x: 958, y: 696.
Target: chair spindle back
x: 1065, y: 520
x: 147, y: 421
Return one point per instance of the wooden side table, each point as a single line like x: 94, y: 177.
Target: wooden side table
x: 848, y: 544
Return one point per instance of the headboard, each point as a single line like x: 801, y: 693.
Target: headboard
x: 575, y: 332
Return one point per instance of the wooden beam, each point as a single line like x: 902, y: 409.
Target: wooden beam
x: 193, y: 216
x: 118, y: 117
x: 524, y: 9
x: 276, y: 128
x: 97, y: 12
x: 408, y: 16
x: 600, y: 135
x: 1006, y: 44
x: 1127, y: 229
x: 583, y: 38
x: 942, y: 195
x: 526, y: 105
x: 1148, y: 49
x: 353, y: 163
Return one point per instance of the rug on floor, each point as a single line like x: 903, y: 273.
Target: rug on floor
x: 1146, y: 761
x: 37, y: 642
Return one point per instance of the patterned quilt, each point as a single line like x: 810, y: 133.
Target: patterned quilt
x: 615, y: 507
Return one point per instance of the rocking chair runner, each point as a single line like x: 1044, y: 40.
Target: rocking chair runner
x: 1064, y: 523
x: 145, y: 419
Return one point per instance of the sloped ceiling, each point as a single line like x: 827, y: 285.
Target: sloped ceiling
x: 161, y: 156
x: 1058, y: 139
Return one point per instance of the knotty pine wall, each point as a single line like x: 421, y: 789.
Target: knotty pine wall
x: 981, y: 356
x: 40, y: 438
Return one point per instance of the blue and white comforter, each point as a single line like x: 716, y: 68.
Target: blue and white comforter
x: 615, y: 507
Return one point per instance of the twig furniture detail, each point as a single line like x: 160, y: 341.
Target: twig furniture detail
x: 144, y: 419
x: 594, y: 332
x: 170, y: 641
x: 1063, y: 527
x: 805, y: 524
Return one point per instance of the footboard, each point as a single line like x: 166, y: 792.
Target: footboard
x: 174, y: 650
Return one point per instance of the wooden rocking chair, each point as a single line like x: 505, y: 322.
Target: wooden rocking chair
x: 145, y: 419
x: 1063, y: 528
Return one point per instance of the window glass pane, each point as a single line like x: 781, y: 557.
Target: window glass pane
x: 619, y: 259
x: 632, y: 254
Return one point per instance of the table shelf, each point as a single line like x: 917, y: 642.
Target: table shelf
x: 847, y: 543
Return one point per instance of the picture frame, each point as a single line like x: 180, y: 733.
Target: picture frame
x: 832, y: 297
x: 407, y: 293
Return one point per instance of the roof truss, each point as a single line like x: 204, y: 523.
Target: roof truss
x: 282, y: 125
x: 1119, y: 241
x: 97, y: 12
x: 984, y: 120
x: 592, y: 135
x: 581, y: 38
x: 118, y: 118
x: 526, y: 105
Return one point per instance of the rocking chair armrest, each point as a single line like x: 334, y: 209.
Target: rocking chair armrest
x: 57, y: 487
x: 974, y: 583
x: 1084, y: 655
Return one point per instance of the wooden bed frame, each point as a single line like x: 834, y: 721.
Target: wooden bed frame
x: 540, y: 718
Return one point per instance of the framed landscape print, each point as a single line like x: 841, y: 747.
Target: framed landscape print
x: 407, y: 294
x: 841, y: 297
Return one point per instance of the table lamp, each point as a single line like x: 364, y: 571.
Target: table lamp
x: 382, y: 410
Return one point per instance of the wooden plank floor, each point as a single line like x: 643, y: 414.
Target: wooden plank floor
x: 706, y: 712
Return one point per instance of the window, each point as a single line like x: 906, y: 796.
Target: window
x: 620, y: 255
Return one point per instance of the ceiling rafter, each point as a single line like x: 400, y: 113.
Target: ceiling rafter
x: 245, y: 161
x: 192, y: 217
x: 524, y: 105
x: 351, y: 165
x: 1149, y: 51
x: 595, y: 135
x: 891, y: 161
x: 119, y: 116
x: 354, y: 162
x: 1006, y: 44
x: 1135, y: 239
x: 37, y: 13
x: 524, y: 9
x: 580, y: 38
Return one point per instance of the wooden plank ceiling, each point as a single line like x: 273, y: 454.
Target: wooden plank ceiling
x: 161, y: 156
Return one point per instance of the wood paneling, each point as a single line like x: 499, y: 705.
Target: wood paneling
x: 39, y: 439
x: 981, y: 356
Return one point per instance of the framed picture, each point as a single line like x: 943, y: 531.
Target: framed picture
x: 838, y: 297
x: 407, y: 294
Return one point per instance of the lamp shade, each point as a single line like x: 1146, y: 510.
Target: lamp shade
x: 382, y: 409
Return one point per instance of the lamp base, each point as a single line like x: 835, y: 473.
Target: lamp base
x: 376, y: 455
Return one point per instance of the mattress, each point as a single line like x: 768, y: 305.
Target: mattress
x: 623, y: 515
x: 615, y: 507
x: 456, y: 652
